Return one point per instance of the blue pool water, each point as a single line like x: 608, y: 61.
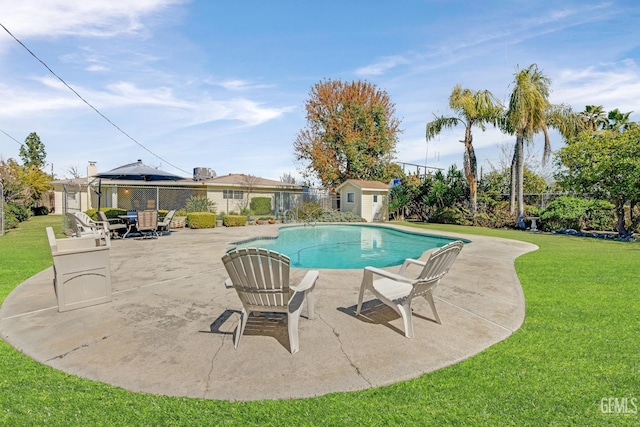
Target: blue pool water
x: 347, y: 246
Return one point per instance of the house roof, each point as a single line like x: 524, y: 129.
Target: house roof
x: 366, y: 185
x: 231, y: 180
x: 242, y: 180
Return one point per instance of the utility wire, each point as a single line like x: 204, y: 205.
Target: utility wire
x: 87, y: 102
x: 20, y: 143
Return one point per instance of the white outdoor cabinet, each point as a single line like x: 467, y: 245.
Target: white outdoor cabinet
x: 82, y: 271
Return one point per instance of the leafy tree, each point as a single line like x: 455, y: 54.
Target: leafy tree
x: 472, y: 108
x: 32, y: 152
x: 496, y: 183
x: 447, y: 190
x: 37, y: 183
x: 287, y: 178
x: 13, y: 188
x: 605, y: 165
x: 398, y: 201
x: 15, y: 191
x: 351, y: 133
x: 529, y: 113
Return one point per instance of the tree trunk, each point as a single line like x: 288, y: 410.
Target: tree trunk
x: 622, y: 231
x: 471, y: 170
x: 520, y: 176
x: 512, y: 187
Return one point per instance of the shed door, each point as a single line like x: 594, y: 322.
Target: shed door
x: 376, y: 208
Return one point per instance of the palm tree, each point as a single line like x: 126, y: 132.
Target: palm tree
x: 473, y: 108
x: 618, y: 121
x: 529, y: 113
x: 594, y: 118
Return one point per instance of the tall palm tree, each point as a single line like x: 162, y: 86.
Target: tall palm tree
x: 473, y: 108
x: 529, y: 113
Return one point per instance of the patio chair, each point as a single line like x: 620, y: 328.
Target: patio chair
x: 114, y: 225
x: 73, y: 225
x: 397, y: 290
x: 261, y: 279
x: 165, y: 224
x: 87, y: 226
x: 147, y: 223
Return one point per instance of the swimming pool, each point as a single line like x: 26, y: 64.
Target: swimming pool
x: 347, y: 246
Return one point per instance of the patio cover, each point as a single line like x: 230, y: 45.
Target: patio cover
x: 138, y: 171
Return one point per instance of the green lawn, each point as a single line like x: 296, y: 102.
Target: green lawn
x: 579, y: 344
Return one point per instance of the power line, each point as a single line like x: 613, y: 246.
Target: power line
x: 19, y: 143
x: 87, y: 102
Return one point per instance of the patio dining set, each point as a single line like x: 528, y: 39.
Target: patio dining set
x: 145, y: 224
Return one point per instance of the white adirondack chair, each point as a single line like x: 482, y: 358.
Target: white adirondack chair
x: 88, y: 227
x: 397, y: 290
x: 261, y: 279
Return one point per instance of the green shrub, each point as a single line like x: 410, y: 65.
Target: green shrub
x: 496, y: 217
x: 308, y: 211
x: 234, y: 220
x: 450, y: 215
x: 19, y: 212
x: 335, y: 216
x: 600, y: 215
x: 200, y: 204
x: 40, y: 210
x: 113, y: 212
x: 109, y: 213
x: 261, y: 205
x: 10, y: 218
x: 201, y: 220
x: 578, y: 214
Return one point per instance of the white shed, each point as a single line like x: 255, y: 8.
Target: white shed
x: 368, y: 199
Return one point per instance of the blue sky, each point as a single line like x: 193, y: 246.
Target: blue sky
x: 223, y: 84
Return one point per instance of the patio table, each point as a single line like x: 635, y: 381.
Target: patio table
x: 130, y: 220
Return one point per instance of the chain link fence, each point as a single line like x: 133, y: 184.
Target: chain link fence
x: 1, y: 210
x: 140, y: 198
x: 156, y: 197
x: 539, y: 200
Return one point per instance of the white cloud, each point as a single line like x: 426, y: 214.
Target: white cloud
x: 382, y: 66
x: 238, y: 85
x: 32, y: 18
x: 614, y: 85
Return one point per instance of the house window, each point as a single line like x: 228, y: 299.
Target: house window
x: 351, y: 197
x: 375, y: 198
x: 232, y: 194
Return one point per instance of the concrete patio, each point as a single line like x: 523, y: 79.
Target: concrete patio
x: 169, y: 329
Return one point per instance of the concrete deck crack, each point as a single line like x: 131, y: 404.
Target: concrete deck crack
x: 213, y: 360
x: 351, y: 363
x: 80, y: 347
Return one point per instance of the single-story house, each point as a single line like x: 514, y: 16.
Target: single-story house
x: 368, y: 199
x: 230, y: 193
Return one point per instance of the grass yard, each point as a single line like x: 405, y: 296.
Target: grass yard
x: 575, y: 361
